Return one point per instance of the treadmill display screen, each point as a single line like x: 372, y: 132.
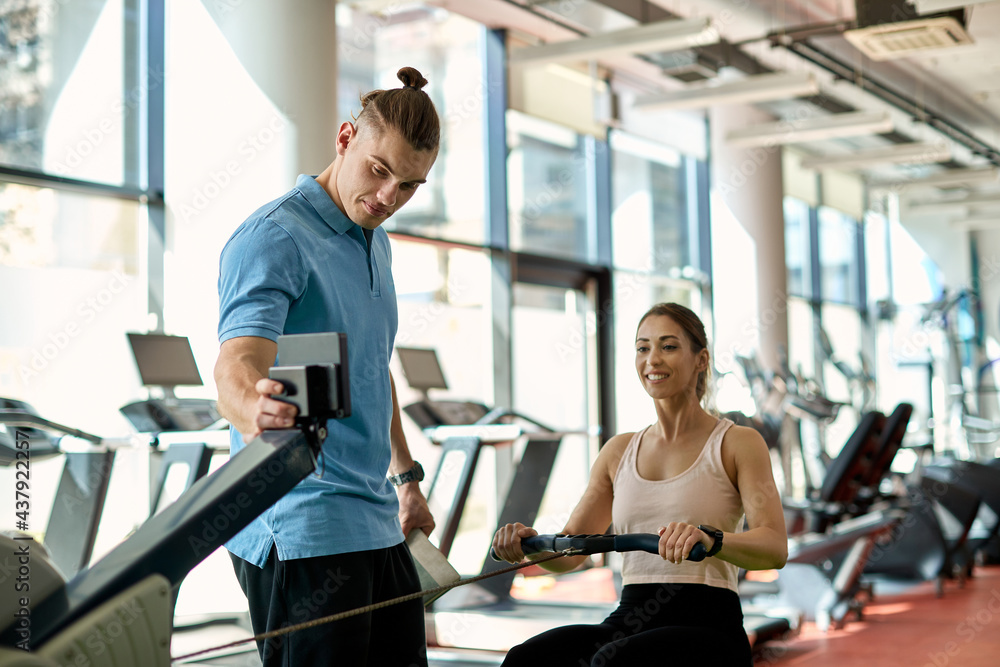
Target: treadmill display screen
x: 421, y: 368
x: 164, y: 361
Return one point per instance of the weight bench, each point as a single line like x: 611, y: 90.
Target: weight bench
x: 823, y: 572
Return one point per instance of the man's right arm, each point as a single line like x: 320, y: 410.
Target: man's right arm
x: 244, y: 388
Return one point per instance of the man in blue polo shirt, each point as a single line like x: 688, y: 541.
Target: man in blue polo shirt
x: 316, y: 260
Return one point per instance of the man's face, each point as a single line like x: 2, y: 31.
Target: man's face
x: 379, y: 173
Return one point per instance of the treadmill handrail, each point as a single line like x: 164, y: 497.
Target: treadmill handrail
x: 493, y: 433
x: 496, y: 414
x: 21, y: 418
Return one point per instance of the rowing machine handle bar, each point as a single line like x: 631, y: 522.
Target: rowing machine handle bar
x: 594, y: 544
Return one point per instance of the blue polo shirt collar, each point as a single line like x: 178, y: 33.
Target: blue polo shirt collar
x: 320, y: 200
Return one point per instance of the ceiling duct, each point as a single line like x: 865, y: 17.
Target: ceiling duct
x: 893, y: 29
x: 687, y: 66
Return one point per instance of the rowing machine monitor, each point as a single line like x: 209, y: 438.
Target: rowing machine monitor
x: 314, y: 377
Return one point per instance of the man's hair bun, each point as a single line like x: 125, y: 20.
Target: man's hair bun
x: 411, y: 78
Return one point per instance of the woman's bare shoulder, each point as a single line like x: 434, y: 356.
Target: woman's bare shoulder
x: 743, y: 436
x: 612, y: 452
x: 743, y: 444
x: 618, y: 441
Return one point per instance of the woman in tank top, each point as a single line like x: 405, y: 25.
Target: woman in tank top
x: 687, y: 470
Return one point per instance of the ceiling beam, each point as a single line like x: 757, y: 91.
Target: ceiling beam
x: 662, y: 36
x: 759, y: 88
x: 913, y: 153
x: 835, y: 126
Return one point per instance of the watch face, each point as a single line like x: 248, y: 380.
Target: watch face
x: 716, y: 536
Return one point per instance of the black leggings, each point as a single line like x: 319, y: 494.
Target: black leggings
x: 671, y: 624
x: 288, y: 592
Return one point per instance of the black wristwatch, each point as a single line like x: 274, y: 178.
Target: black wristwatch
x: 716, y: 535
x: 414, y: 474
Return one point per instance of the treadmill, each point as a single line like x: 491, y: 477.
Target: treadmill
x: 118, y: 611
x: 183, y: 433
x: 71, y: 531
x: 166, y: 362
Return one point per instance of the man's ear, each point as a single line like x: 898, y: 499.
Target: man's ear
x: 345, y: 135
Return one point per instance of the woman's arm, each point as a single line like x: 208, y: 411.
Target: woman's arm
x: 764, y: 545
x: 592, y: 515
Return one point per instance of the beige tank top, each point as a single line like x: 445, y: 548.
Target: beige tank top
x: 702, y: 494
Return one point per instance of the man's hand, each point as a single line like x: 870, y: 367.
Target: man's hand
x: 245, y: 390
x: 269, y: 413
x: 413, y: 509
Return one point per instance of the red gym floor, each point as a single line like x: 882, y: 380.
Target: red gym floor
x: 916, y: 629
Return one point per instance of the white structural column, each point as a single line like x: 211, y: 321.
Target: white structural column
x: 748, y: 242
x: 251, y: 103
x: 289, y: 49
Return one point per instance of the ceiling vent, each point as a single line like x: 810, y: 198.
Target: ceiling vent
x: 888, y: 30
x: 687, y: 66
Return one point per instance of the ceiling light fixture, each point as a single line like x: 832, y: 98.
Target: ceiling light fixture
x: 835, y: 126
x: 649, y: 38
x: 912, y: 153
x: 942, y: 179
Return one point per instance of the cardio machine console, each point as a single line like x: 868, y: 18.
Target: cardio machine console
x: 167, y: 362
x: 158, y: 415
x: 423, y: 372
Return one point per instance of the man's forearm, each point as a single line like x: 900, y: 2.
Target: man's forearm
x: 401, y: 460
x: 413, y: 510
x: 242, y: 363
x: 235, y: 381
